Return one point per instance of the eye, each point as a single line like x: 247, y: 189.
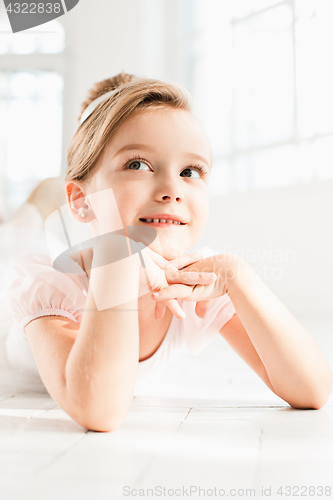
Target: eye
x: 195, y: 168
x: 134, y: 163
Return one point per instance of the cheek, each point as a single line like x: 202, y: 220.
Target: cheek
x: 203, y: 220
x: 126, y: 198
x: 201, y: 207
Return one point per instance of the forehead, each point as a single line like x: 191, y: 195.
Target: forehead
x: 167, y: 130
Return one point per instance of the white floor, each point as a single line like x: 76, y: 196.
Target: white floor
x: 206, y: 422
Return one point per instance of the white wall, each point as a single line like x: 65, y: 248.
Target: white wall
x: 137, y: 36
x: 289, y: 230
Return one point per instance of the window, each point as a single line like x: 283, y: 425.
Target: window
x: 262, y: 82
x: 31, y: 91
x: 49, y: 39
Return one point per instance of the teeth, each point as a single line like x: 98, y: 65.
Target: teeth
x: 163, y: 221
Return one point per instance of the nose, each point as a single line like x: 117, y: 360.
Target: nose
x: 170, y: 198
x: 169, y: 190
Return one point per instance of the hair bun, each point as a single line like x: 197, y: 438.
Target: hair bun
x: 100, y: 88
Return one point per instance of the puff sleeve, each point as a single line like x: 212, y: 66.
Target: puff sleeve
x: 41, y: 290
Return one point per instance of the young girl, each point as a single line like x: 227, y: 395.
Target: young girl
x: 138, y: 171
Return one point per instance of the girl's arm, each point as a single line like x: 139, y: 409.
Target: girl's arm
x: 296, y: 367
x: 102, y: 365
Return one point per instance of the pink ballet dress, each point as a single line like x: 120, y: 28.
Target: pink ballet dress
x: 40, y: 290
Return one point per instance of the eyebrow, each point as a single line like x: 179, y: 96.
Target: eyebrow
x: 151, y: 148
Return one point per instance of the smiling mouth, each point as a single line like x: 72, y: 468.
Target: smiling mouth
x: 162, y: 222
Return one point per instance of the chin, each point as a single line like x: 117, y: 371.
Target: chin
x: 174, y: 253
x: 167, y: 249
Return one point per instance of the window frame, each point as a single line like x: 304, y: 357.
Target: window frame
x: 54, y: 62
x: 185, y: 42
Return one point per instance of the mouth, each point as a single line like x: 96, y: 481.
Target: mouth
x: 167, y: 223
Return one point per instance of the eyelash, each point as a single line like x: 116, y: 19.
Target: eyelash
x: 139, y: 158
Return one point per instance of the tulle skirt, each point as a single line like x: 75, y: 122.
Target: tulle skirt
x: 24, y: 233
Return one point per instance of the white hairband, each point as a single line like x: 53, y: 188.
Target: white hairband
x: 89, y: 109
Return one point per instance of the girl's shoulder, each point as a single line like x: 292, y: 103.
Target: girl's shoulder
x: 41, y: 290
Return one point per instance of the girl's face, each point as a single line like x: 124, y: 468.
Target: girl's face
x: 158, y: 162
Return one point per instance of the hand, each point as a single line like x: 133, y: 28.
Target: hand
x: 202, y: 294
x: 173, y: 276
x: 159, y: 273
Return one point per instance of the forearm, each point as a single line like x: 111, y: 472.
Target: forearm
x: 294, y: 363
x: 102, y: 365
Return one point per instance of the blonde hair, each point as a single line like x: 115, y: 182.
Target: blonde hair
x: 132, y: 94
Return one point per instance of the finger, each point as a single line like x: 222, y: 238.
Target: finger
x: 175, y: 308
x: 156, y: 257
x: 185, y: 292
x: 189, y: 277
x: 185, y: 260
x: 150, y: 275
x: 172, y: 292
x: 202, y: 307
x: 160, y: 309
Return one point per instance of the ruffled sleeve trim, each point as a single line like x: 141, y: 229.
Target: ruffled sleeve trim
x: 52, y: 311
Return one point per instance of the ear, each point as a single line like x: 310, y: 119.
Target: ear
x: 76, y: 194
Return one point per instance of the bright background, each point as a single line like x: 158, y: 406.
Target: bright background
x: 261, y: 74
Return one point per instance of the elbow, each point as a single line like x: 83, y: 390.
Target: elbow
x: 319, y: 403
x: 98, y: 421
x: 325, y: 394
x: 98, y: 424
x: 312, y: 399
x: 102, y: 426
x: 96, y: 414
x: 312, y: 405
x: 316, y: 402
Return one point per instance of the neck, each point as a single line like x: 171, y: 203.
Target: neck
x: 145, y: 303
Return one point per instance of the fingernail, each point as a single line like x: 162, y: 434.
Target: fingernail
x: 156, y: 294
x: 210, y: 275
